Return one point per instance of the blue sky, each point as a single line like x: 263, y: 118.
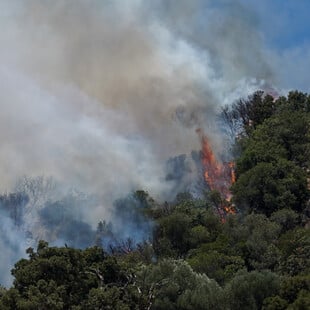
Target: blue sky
x: 259, y: 35
x: 285, y: 28
x: 285, y: 24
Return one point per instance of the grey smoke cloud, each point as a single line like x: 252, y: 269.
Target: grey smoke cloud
x: 12, y: 245
x: 90, y: 88
x: 99, y: 94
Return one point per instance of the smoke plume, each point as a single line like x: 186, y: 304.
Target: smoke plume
x: 100, y: 94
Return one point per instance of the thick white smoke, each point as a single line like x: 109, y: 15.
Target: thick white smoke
x: 99, y: 94
x: 90, y: 89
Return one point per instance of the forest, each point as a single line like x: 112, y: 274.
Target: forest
x: 242, y: 247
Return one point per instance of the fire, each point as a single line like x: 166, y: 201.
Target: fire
x: 231, y: 165
x: 219, y: 176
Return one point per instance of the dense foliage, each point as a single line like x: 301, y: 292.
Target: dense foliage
x: 257, y: 258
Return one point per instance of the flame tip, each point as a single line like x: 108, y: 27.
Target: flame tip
x: 219, y: 176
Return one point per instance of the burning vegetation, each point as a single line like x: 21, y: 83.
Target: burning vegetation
x: 218, y: 175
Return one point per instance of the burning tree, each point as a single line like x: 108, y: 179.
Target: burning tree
x: 218, y: 175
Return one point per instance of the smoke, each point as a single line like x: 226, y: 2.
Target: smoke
x: 14, y: 244
x: 99, y: 94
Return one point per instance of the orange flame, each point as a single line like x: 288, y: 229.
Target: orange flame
x: 231, y: 165
x: 219, y: 176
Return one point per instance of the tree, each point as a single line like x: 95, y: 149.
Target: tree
x: 295, y: 248
x: 215, y: 264
x: 268, y: 187
x: 67, y: 278
x: 286, y: 218
x: 248, y: 290
x: 275, y: 303
x: 274, y: 160
x: 186, y: 227
x: 246, y: 114
x: 176, y: 286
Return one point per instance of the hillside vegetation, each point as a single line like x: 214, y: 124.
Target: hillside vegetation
x: 195, y: 259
